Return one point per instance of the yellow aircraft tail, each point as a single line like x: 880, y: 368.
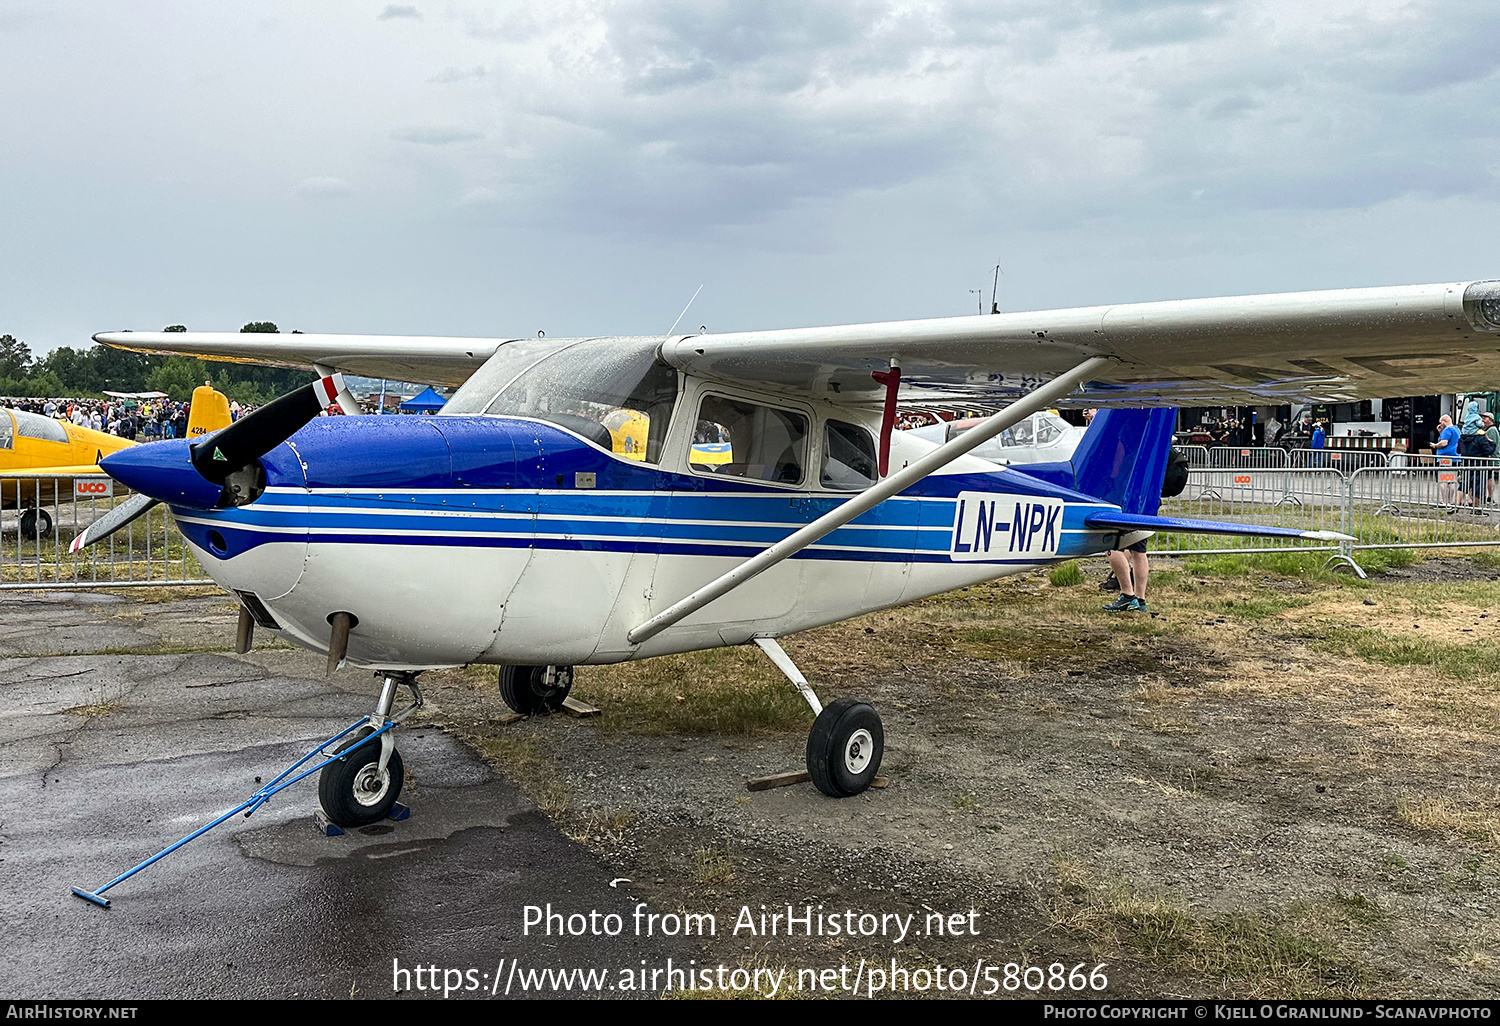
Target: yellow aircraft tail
x: 209, y: 411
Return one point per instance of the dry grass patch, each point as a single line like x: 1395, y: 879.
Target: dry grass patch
x: 524, y: 761
x: 1471, y: 815
x: 1244, y: 953
x: 713, y: 866
x: 95, y: 710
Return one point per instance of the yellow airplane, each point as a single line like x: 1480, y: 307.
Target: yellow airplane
x: 41, y: 458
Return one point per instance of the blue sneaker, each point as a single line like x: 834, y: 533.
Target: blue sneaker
x: 1121, y: 604
x: 1136, y: 606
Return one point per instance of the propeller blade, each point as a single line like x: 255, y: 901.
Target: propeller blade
x: 132, y: 508
x: 255, y: 434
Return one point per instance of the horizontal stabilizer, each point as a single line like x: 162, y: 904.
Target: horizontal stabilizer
x: 1140, y: 522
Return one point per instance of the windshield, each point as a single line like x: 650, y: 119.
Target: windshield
x: 611, y: 391
x: 498, y: 371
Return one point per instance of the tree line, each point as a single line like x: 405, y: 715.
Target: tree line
x: 79, y: 373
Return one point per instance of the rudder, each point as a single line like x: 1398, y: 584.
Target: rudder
x: 1123, y: 458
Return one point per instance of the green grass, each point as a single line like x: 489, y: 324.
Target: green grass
x: 1381, y: 561
x: 1305, y: 566
x: 1066, y: 575
x: 1464, y: 660
x: 732, y: 691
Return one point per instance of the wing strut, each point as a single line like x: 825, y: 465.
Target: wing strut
x: 840, y: 515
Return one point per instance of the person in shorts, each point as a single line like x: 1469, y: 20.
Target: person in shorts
x: 1130, y: 567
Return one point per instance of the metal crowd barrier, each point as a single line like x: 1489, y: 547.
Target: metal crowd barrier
x: 40, y: 516
x: 1309, y: 500
x: 1246, y: 456
x: 1197, y: 455
x: 1345, y: 460
x: 1424, y: 502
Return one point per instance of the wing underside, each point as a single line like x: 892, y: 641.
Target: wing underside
x: 426, y: 359
x: 1331, y: 346
x: 1334, y: 346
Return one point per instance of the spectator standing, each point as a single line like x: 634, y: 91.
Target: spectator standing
x: 1445, y: 448
x: 1131, y: 568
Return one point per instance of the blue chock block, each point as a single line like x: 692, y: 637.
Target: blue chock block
x: 399, y: 812
x: 326, y: 826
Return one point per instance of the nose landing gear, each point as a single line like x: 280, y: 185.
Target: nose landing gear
x: 362, y: 785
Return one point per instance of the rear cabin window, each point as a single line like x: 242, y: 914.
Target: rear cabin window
x: 849, y: 460
x: 735, y: 438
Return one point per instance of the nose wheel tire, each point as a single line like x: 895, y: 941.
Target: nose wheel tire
x: 528, y: 691
x: 353, y: 791
x: 845, y: 747
x: 35, y: 523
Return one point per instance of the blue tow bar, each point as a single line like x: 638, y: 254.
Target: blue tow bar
x: 249, y: 806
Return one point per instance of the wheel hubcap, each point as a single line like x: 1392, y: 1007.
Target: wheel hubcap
x: 858, y: 751
x: 370, y: 785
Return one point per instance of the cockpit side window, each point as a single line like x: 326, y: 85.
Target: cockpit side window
x: 738, y: 438
x: 849, y: 460
x: 5, y: 430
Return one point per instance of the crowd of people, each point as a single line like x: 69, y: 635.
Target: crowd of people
x: 138, y: 420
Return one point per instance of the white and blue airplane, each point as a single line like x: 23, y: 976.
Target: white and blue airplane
x: 513, y: 530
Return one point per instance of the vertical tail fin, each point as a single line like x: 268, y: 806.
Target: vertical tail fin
x: 209, y: 411
x: 1123, y: 458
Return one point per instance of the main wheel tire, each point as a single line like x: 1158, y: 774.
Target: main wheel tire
x: 845, y: 747
x: 35, y: 523
x: 352, y: 791
x: 526, y: 691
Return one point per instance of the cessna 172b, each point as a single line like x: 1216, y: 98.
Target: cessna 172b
x: 544, y: 548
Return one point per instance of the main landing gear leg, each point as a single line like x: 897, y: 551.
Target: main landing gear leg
x: 847, y: 739
x: 361, y: 787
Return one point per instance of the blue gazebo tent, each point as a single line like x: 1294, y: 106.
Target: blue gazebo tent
x: 428, y: 402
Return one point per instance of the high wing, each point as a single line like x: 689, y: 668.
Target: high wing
x: 1330, y: 346
x: 431, y: 360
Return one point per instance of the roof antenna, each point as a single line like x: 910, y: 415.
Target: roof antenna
x: 994, y: 306
x: 684, y: 312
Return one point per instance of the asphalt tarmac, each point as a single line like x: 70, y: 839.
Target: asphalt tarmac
x: 107, y: 757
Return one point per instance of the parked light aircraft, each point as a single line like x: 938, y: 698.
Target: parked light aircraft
x: 41, y: 457
x: 1040, y: 438
x: 542, y: 547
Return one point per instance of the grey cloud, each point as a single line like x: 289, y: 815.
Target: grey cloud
x: 323, y: 186
x: 1171, y: 24
x: 691, y: 117
x: 435, y: 135
x: 399, y: 11
x: 1454, y: 45
x: 451, y: 75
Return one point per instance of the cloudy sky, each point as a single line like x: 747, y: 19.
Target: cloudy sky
x: 582, y: 166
